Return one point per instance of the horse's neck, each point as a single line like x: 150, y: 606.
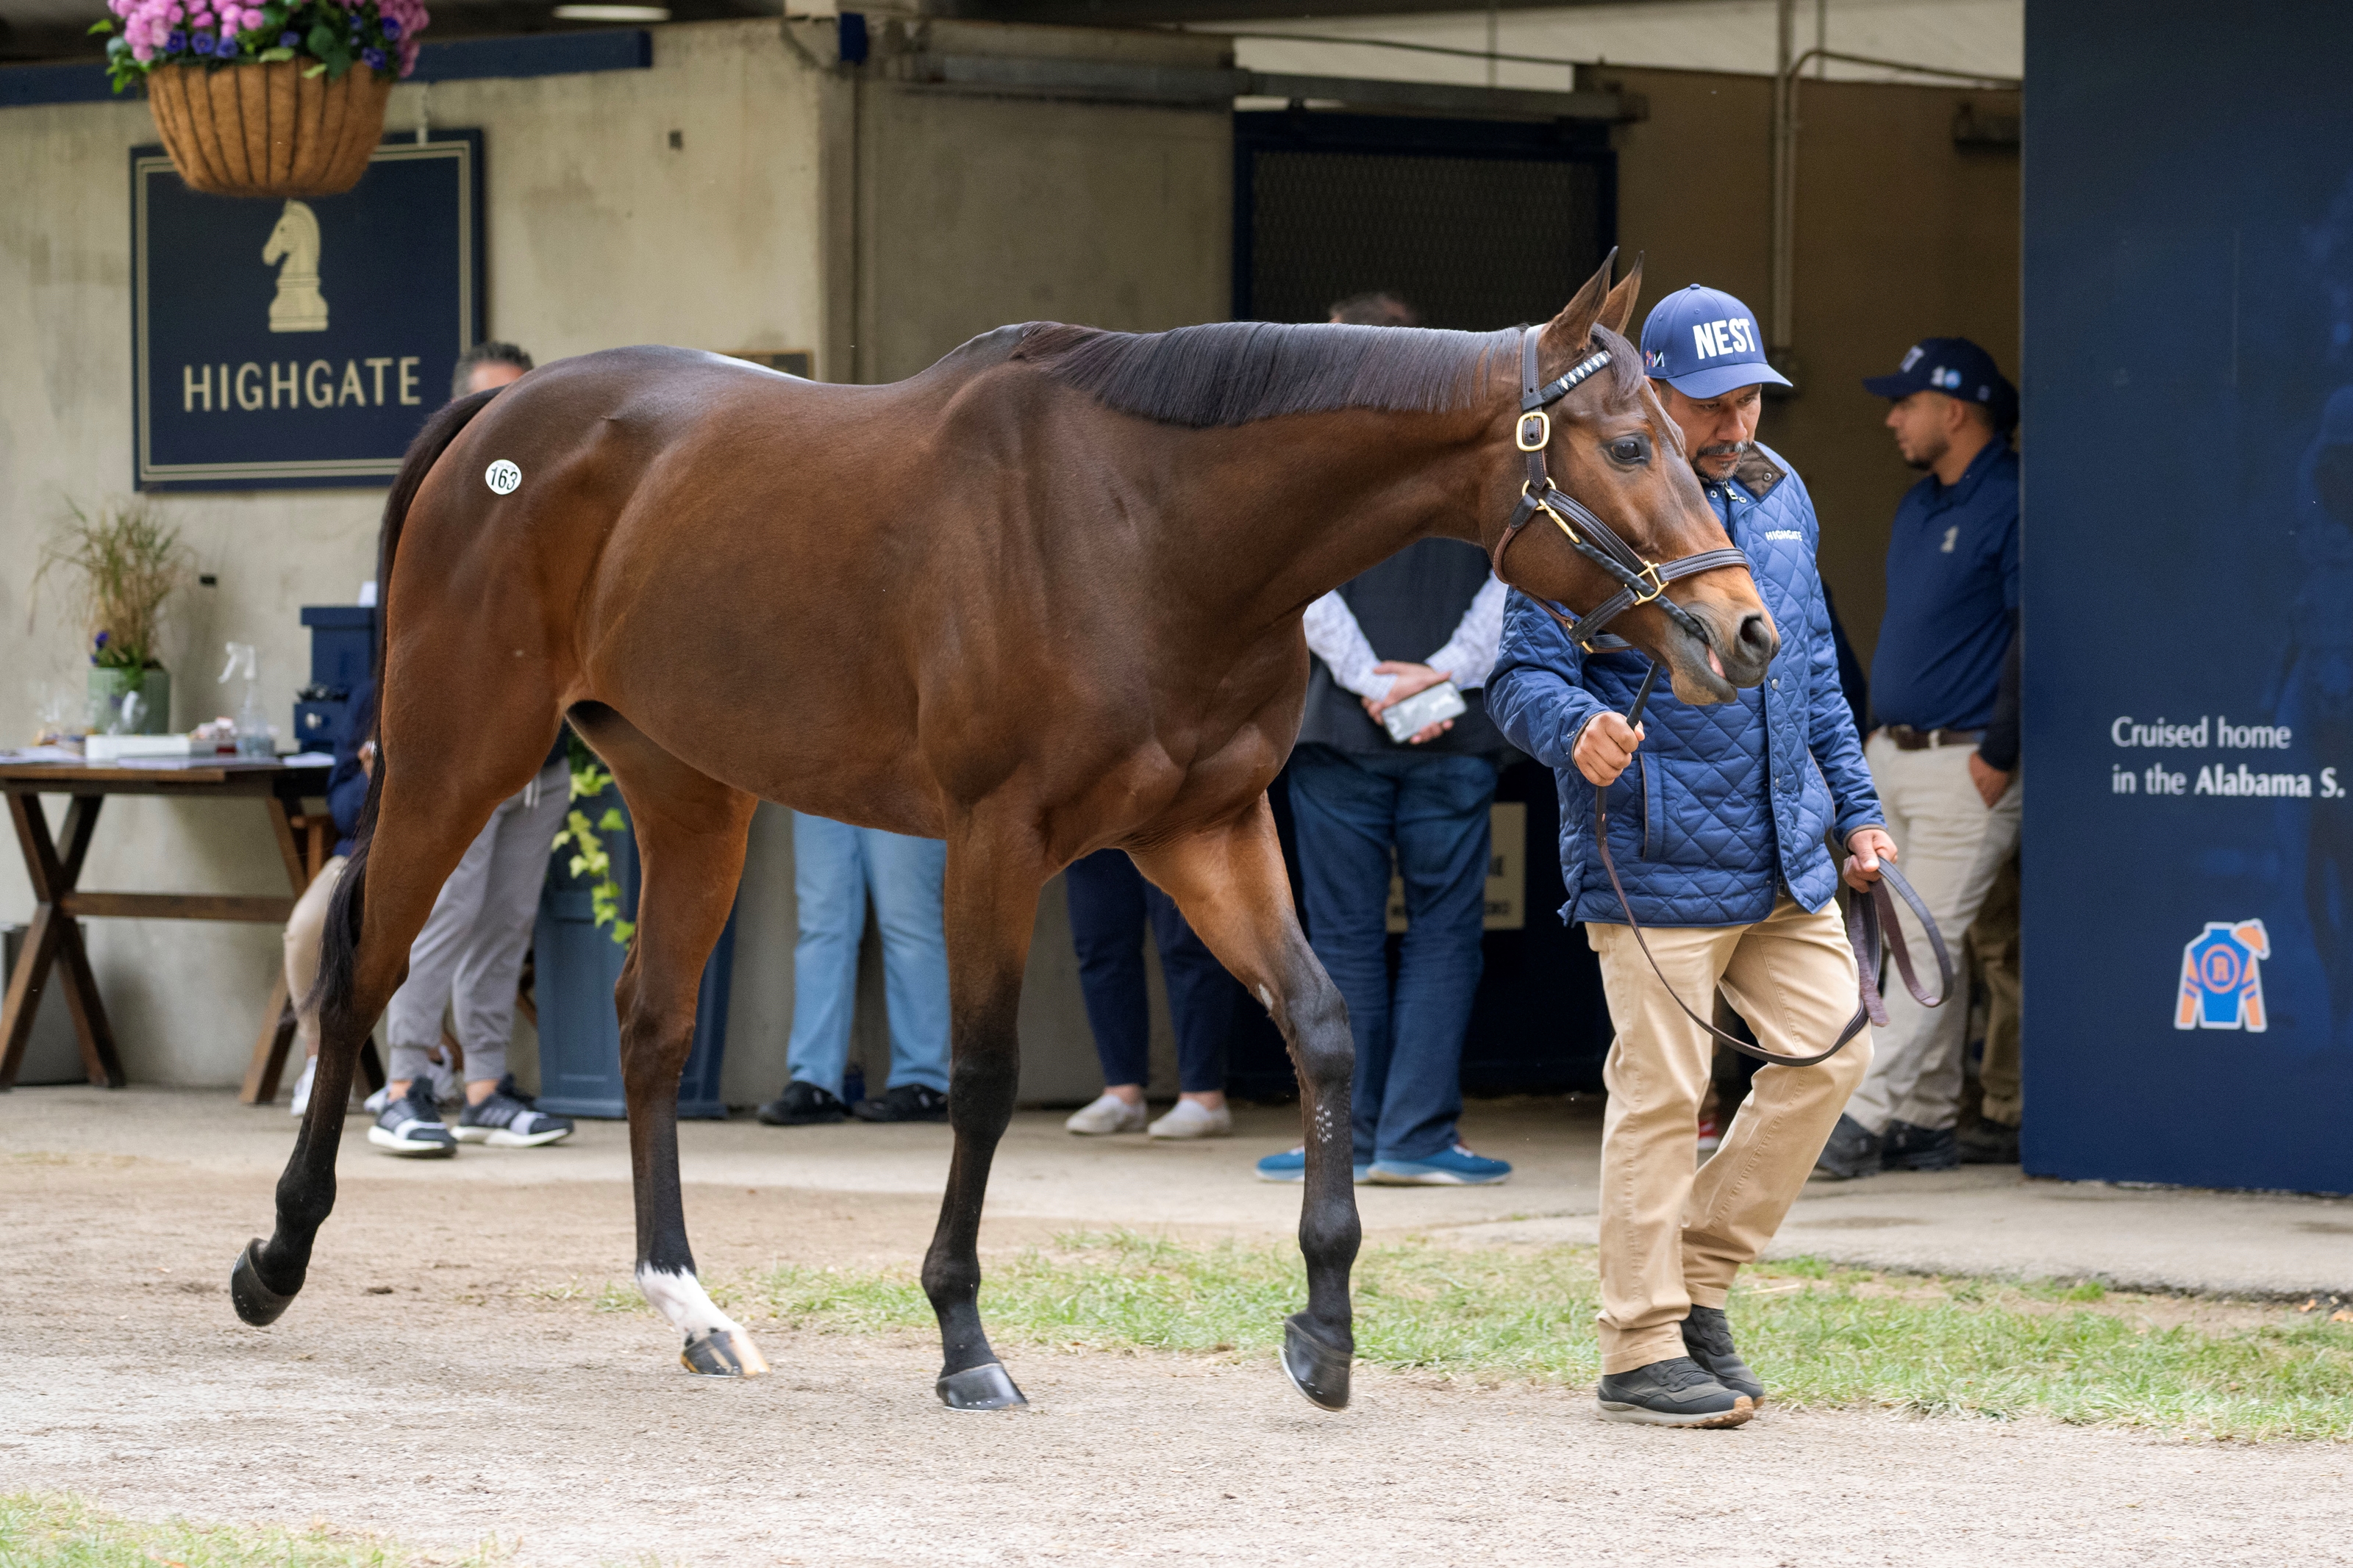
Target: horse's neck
x: 1294, y: 518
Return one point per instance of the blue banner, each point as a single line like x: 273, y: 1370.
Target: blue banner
x: 2189, y: 592
x: 281, y: 342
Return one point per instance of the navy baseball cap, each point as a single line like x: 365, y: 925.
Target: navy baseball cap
x: 1704, y: 343
x: 1956, y: 367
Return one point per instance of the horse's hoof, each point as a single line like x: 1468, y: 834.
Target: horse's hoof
x: 985, y: 1387
x: 256, y: 1303
x: 719, y: 1354
x: 1317, y: 1370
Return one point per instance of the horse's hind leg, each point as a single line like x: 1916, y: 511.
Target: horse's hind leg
x: 442, y: 780
x: 1230, y: 883
x: 994, y: 873
x: 690, y: 832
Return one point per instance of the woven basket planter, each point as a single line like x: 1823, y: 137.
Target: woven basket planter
x: 268, y: 129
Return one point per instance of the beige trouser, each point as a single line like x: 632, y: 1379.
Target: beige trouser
x: 1994, y: 940
x: 304, y: 929
x: 1949, y: 846
x: 1670, y: 1238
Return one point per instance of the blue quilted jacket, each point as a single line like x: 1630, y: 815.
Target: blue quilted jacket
x: 1725, y: 805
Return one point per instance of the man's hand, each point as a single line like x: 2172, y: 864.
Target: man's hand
x: 367, y: 758
x: 1605, y: 747
x: 1410, y: 677
x: 1991, y: 782
x: 1866, y: 848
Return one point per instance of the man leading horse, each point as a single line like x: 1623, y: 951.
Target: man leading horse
x: 1717, y: 816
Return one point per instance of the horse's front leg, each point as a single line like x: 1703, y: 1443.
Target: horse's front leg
x: 1230, y: 883
x: 994, y: 871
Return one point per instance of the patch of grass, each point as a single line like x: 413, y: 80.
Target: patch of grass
x: 1819, y: 1336
x: 39, y: 1531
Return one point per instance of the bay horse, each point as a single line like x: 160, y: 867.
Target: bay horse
x: 1042, y: 598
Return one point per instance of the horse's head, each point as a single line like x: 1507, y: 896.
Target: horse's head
x: 296, y: 235
x: 1614, y: 448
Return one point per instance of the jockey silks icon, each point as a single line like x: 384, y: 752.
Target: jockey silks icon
x: 2222, y: 986
x: 294, y: 245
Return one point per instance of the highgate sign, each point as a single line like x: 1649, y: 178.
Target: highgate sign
x: 301, y: 344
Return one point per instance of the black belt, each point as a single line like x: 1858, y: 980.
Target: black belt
x: 1907, y: 739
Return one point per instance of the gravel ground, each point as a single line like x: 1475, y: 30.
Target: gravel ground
x: 422, y: 1389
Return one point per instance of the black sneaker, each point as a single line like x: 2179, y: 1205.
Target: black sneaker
x: 1851, y: 1152
x: 1907, y: 1147
x: 411, y: 1126
x: 1988, y: 1143
x: 803, y: 1105
x: 1672, y: 1392
x: 1707, y: 1334
x: 503, y: 1121
x: 903, y: 1102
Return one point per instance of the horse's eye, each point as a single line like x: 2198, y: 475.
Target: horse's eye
x: 1630, y: 450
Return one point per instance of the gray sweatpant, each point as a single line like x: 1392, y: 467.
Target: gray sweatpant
x: 470, y: 954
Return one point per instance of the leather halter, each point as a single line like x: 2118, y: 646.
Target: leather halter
x: 1639, y: 581
x: 1869, y: 917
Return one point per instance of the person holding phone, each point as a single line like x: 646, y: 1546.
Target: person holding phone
x: 1415, y: 636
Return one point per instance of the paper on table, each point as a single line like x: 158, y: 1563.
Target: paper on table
x: 309, y: 760
x: 41, y: 754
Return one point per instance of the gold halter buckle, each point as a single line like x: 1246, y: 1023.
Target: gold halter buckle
x: 1535, y: 431
x: 1658, y: 584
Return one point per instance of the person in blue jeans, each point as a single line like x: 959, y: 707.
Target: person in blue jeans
x: 835, y: 868
x: 1110, y: 905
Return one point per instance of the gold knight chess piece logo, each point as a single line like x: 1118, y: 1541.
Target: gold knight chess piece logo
x: 299, y: 307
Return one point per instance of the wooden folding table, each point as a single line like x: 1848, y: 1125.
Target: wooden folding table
x: 54, y: 867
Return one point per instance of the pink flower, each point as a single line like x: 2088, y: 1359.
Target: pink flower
x: 250, y: 20
x: 141, y: 53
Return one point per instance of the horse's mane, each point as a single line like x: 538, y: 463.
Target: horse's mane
x: 1232, y: 373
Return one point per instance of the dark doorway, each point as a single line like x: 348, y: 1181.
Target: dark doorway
x: 1478, y: 224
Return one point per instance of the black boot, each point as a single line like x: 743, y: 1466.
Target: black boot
x: 1907, y: 1147
x: 1851, y: 1152
x: 1672, y: 1392
x: 1988, y: 1144
x: 803, y: 1105
x: 1707, y: 1334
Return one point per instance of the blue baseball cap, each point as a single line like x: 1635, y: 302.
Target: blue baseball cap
x: 1704, y: 343
x: 1956, y: 367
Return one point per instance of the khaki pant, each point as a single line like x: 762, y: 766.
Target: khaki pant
x: 1948, y: 846
x: 1670, y: 1238
x: 1994, y: 940
x: 304, y: 929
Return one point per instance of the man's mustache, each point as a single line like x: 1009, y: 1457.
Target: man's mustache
x: 1724, y: 450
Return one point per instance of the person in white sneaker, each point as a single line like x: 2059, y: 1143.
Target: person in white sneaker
x: 1110, y: 905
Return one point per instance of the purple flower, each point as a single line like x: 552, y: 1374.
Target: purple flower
x: 227, y: 47
x: 391, y: 26
x: 289, y: 40
x: 374, y: 58
x: 101, y: 639
x: 201, y: 43
x: 176, y: 42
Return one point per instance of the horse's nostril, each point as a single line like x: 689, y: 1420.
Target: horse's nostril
x: 1756, y: 636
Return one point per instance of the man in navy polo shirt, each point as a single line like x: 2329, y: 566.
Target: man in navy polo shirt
x: 1944, y: 694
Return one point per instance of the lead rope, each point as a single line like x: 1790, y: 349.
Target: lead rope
x: 1867, y: 916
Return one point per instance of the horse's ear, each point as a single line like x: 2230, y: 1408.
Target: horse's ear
x: 1617, y: 310
x: 1567, y: 332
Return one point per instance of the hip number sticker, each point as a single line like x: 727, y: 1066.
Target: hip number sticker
x: 502, y: 477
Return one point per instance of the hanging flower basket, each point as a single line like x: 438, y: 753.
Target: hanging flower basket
x: 285, y: 99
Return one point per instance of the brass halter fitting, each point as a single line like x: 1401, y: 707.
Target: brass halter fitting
x: 1536, y: 430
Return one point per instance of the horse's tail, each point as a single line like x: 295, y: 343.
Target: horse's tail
x: 331, y: 995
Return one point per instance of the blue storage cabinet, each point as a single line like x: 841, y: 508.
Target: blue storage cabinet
x: 343, y: 665
x: 577, y: 963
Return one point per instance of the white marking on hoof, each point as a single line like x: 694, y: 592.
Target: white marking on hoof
x: 682, y: 1298
x: 1266, y: 998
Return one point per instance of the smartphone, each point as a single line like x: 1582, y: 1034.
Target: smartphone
x: 1424, y: 708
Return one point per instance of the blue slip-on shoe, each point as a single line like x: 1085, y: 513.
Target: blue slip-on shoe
x: 1291, y: 1166
x: 1457, y: 1167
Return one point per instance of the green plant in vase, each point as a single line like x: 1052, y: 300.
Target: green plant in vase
x: 121, y: 564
